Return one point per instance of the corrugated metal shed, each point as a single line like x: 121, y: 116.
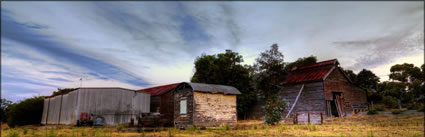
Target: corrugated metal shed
x: 114, y: 105
x: 211, y: 88
x: 160, y: 90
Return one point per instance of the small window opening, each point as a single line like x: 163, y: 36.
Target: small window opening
x: 183, y: 105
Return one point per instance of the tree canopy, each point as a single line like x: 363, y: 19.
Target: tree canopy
x: 226, y: 69
x: 367, y: 79
x: 302, y: 61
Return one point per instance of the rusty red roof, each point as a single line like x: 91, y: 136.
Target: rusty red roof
x: 311, y: 72
x: 159, y: 90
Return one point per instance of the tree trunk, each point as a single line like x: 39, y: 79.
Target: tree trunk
x: 399, y: 103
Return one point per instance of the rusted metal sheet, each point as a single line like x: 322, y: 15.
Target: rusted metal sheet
x: 309, y: 118
x: 160, y: 90
x: 211, y: 88
x: 113, y: 105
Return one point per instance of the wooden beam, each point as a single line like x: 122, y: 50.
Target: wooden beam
x: 293, y: 105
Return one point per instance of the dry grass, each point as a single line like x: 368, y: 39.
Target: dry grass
x: 375, y: 125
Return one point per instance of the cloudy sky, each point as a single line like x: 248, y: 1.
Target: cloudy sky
x: 49, y: 45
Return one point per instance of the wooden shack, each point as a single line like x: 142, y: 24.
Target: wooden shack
x: 327, y: 90
x: 162, y: 101
x: 204, y: 105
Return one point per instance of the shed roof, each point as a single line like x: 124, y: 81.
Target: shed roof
x: 212, y: 88
x: 160, y: 90
x: 312, y: 72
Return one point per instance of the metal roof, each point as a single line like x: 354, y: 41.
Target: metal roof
x: 313, y: 72
x: 160, y: 90
x: 211, y: 88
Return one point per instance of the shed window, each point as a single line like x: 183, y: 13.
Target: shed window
x: 183, y: 104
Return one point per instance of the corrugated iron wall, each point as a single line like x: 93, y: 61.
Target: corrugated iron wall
x: 115, y: 105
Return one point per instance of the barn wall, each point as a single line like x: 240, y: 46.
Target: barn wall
x: 155, y: 103
x: 214, y: 109
x: 167, y: 107
x: 352, y: 95
x: 183, y: 120
x: 69, y: 103
x: 45, y: 109
x: 54, y: 108
x: 114, y: 105
x: 310, y: 100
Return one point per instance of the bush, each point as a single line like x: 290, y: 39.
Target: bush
x: 13, y: 133
x: 372, y: 111
x: 379, y: 107
x: 389, y: 101
x: 274, y: 109
x: 420, y: 108
x: 25, y: 112
x: 121, y: 126
x: 397, y: 111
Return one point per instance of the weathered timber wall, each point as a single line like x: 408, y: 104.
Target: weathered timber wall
x: 155, y: 103
x: 351, y: 95
x: 115, y: 105
x: 167, y: 107
x: 214, y: 109
x: 310, y: 100
x: 187, y: 119
x: 257, y: 110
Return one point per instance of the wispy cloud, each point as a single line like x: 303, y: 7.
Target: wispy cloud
x: 49, y: 45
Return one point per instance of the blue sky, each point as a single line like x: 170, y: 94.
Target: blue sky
x: 49, y: 45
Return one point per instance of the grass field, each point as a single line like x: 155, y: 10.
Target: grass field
x: 367, y: 125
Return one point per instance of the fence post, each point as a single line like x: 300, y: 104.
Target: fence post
x: 308, y: 115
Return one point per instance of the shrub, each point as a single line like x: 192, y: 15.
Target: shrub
x: 397, y: 111
x: 420, y: 108
x: 13, y: 133
x: 121, y: 126
x: 25, y: 112
x: 274, y: 109
x: 389, y: 101
x: 379, y: 107
x: 372, y: 111
x: 411, y: 106
x: 25, y: 131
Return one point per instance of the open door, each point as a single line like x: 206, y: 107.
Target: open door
x: 335, y: 106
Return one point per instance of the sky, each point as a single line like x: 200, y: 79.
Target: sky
x: 49, y: 45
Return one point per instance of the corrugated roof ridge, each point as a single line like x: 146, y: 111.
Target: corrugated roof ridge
x: 315, y: 65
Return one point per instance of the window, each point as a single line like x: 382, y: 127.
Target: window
x: 183, y: 104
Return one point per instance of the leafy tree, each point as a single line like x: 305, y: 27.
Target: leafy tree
x: 405, y: 72
x: 4, y: 105
x: 270, y: 71
x: 26, y: 112
x: 302, y: 61
x: 351, y: 75
x: 226, y: 69
x: 63, y: 91
x: 367, y: 79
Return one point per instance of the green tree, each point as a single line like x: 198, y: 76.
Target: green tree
x: 351, y: 75
x: 4, y: 105
x: 412, y: 78
x: 63, y: 91
x: 226, y: 69
x: 367, y: 79
x: 26, y: 112
x: 270, y: 72
x: 405, y: 72
x: 302, y: 61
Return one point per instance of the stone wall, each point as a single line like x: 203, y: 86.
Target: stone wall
x: 214, y: 109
